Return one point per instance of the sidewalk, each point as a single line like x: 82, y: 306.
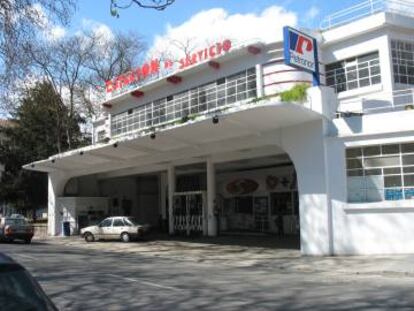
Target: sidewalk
x: 226, y: 251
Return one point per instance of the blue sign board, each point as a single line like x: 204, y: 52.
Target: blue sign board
x: 301, y: 51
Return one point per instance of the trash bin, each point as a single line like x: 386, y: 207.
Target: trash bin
x: 66, y: 228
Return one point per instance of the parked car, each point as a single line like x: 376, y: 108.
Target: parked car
x: 112, y: 228
x: 19, y: 290
x: 16, y: 227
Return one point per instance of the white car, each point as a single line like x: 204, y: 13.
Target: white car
x: 113, y: 228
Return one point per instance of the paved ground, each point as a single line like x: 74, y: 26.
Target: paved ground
x: 223, y: 274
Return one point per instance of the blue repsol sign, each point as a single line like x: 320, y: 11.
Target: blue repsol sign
x: 301, y: 51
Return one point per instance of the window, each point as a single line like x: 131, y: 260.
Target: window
x: 403, y: 61
x: 381, y: 172
x: 106, y: 223
x: 101, y: 135
x: 244, y: 205
x: 118, y: 222
x: 204, y: 98
x: 353, y: 73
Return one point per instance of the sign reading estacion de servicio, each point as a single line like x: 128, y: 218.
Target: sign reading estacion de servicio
x: 154, y: 67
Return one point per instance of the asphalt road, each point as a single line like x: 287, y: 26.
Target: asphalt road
x: 89, y: 279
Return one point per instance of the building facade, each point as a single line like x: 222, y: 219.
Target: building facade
x: 209, y: 145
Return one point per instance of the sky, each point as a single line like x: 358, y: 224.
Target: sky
x: 205, y: 20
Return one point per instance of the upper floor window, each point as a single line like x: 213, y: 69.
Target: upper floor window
x: 353, y: 73
x: 101, y: 136
x: 403, y: 61
x: 380, y: 173
x: 204, y: 98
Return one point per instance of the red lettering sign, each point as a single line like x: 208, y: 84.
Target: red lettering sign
x: 152, y: 67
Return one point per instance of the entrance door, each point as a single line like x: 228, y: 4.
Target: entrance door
x: 261, y: 213
x: 188, y: 213
x: 285, y: 212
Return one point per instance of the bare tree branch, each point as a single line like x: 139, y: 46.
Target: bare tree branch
x: 158, y: 5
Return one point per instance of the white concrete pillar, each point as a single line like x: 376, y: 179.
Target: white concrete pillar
x: 259, y: 80
x: 211, y: 199
x: 305, y: 144
x: 56, y: 185
x: 171, y: 191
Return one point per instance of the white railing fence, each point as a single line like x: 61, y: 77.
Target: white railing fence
x: 378, y: 103
x: 367, y: 8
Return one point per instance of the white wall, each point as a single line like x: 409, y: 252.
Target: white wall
x: 69, y: 208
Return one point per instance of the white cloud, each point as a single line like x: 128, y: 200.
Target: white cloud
x: 55, y: 33
x: 217, y: 24
x: 98, y: 30
x: 312, y: 13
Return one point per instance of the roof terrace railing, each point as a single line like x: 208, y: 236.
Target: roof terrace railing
x: 378, y: 103
x: 367, y: 8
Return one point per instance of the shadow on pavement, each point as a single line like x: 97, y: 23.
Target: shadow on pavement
x: 263, y: 241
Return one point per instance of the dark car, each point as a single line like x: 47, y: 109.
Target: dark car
x: 19, y: 290
x: 15, y: 227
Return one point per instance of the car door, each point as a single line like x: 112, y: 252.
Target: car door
x: 118, y: 227
x: 105, y: 229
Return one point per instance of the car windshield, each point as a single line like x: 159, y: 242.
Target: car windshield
x: 16, y: 221
x: 19, y: 291
x: 132, y: 221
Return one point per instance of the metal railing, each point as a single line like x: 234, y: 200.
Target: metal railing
x: 378, y: 103
x: 367, y: 8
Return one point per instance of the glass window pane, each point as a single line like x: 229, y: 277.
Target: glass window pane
x: 392, y: 170
x: 391, y: 149
x: 392, y: 181
x: 372, y: 150
x: 353, y: 152
x: 352, y: 85
x: 355, y: 173
x: 353, y: 163
x: 363, y: 73
x: 393, y: 194
x: 408, y: 159
x: 408, y: 180
x: 375, y: 70
x: 118, y: 223
x: 376, y: 171
x: 382, y: 161
x: 367, y: 57
x: 409, y: 169
x: 409, y: 193
x: 407, y: 148
x: 376, y: 80
x: 364, y: 82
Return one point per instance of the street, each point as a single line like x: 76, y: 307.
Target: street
x: 103, y: 276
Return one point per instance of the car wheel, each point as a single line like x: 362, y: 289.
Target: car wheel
x: 28, y: 241
x: 89, y: 237
x: 125, y: 237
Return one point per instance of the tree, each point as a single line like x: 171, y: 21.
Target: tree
x: 38, y: 131
x: 146, y: 4
x: 110, y: 58
x: 21, y: 21
x: 80, y: 63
